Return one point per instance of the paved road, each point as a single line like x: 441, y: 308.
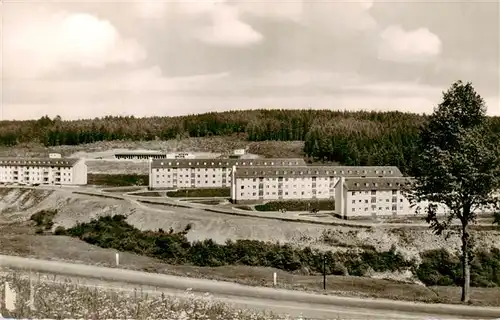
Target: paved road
x: 276, y: 300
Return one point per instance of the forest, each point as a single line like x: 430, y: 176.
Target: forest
x: 350, y: 138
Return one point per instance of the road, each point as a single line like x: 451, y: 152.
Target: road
x: 295, y: 303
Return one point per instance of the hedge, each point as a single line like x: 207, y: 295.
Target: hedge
x: 200, y: 193
x: 118, y: 180
x: 297, y: 205
x: 437, y: 267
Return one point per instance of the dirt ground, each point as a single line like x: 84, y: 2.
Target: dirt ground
x: 20, y: 204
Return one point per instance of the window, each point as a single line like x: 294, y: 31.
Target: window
x: 374, y: 200
x: 374, y: 192
x: 353, y: 201
x: 242, y: 187
x: 394, y: 192
x: 394, y: 199
x: 353, y: 193
x: 353, y: 209
x: 366, y: 201
x: 394, y: 207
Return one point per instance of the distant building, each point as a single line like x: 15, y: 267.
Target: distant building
x: 375, y: 197
x: 140, y: 155
x: 239, y: 152
x: 180, y: 155
x: 43, y: 171
x: 258, y: 184
x: 54, y: 155
x: 205, y: 173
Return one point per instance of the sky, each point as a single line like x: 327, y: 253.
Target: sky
x: 166, y: 58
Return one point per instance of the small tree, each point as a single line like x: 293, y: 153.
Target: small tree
x: 457, y: 165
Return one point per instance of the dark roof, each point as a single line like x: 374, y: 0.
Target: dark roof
x: 224, y: 163
x: 39, y: 162
x: 312, y: 171
x: 385, y: 183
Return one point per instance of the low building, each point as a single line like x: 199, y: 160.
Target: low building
x: 140, y: 155
x: 376, y: 197
x: 55, y: 155
x: 180, y: 155
x: 205, y: 173
x: 43, y: 171
x: 257, y: 184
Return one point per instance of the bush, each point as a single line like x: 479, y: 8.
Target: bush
x: 297, y: 205
x: 44, y: 219
x: 173, y: 247
x: 118, y: 180
x: 200, y: 193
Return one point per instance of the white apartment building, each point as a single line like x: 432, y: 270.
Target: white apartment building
x: 43, y: 171
x: 258, y: 184
x: 375, y: 197
x: 204, y: 173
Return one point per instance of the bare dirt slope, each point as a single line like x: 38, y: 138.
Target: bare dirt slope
x: 19, y: 204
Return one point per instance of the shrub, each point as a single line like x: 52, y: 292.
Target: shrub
x: 118, y: 180
x: 200, y: 193
x: 297, y: 205
x: 173, y: 247
x: 44, y: 219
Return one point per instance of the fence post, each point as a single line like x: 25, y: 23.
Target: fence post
x: 274, y: 279
x: 117, y: 258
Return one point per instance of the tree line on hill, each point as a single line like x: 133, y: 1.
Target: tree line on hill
x: 351, y: 138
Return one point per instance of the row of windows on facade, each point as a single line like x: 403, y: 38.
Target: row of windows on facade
x: 186, y: 182
x: 374, y: 200
x: 32, y: 168
x: 244, y: 163
x: 186, y: 176
x: 316, y: 172
x: 394, y: 208
x: 35, y: 173
x: 331, y: 186
x: 187, y: 169
x: 373, y: 192
x: 285, y: 193
x: 288, y: 179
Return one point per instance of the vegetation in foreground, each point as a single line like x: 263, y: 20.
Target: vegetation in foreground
x: 297, y: 205
x: 117, y: 180
x: 68, y: 300
x: 200, y: 193
x: 437, y: 267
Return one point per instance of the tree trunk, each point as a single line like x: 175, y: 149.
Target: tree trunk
x: 465, y: 265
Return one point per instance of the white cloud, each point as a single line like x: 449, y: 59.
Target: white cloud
x: 224, y: 27
x: 399, y: 45
x: 37, y: 42
x: 228, y: 30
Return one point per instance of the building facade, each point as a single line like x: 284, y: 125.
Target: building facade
x: 258, y: 184
x: 376, y: 197
x: 140, y: 155
x: 205, y: 173
x: 43, y: 171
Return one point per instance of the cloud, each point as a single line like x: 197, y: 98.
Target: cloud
x: 213, y: 22
x: 37, y: 42
x: 228, y: 30
x: 398, y: 45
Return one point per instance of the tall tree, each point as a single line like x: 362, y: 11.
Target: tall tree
x: 458, y: 166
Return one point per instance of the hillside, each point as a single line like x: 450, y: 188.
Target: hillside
x: 351, y: 138
x: 20, y: 204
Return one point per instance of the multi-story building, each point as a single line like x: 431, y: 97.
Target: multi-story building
x: 257, y: 184
x: 43, y: 171
x: 205, y: 173
x: 376, y: 197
